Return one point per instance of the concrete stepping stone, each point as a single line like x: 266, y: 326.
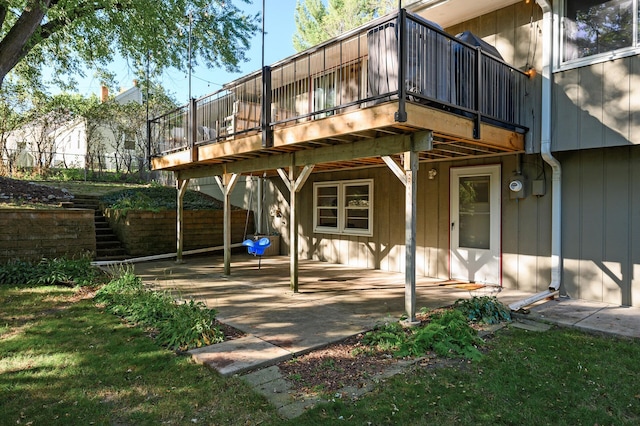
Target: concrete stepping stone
x: 530, y: 325
x: 239, y: 355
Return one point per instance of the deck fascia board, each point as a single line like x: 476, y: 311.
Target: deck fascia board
x: 381, y: 116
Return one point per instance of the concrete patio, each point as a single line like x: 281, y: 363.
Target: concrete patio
x: 333, y: 302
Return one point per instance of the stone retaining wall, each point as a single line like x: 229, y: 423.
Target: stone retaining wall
x: 30, y: 235
x: 145, y: 233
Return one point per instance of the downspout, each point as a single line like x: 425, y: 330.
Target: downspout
x: 545, y: 152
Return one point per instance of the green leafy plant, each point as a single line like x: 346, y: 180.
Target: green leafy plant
x: 484, y: 309
x: 15, y: 273
x: 178, y: 326
x: 138, y: 201
x: 57, y: 271
x: 447, y: 334
x: 387, y: 337
x: 157, y: 198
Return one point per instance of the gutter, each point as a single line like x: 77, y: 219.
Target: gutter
x: 545, y: 152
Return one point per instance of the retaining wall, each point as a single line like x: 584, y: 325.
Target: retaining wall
x: 145, y: 233
x: 30, y: 235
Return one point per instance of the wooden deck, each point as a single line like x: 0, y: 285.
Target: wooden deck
x: 353, y: 139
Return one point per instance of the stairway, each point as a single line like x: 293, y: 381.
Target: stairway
x: 108, y: 247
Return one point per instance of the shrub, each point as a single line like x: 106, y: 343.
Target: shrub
x: 157, y: 198
x: 57, y: 271
x: 484, y: 309
x: 16, y: 273
x: 387, y: 337
x: 178, y: 326
x: 447, y: 334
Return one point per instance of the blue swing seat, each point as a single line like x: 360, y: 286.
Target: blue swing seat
x: 257, y: 248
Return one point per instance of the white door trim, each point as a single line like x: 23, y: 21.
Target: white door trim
x: 476, y: 264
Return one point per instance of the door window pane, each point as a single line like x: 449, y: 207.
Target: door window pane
x: 475, y: 218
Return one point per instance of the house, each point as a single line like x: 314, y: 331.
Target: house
x: 60, y: 141
x: 409, y: 145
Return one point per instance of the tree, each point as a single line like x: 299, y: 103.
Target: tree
x: 317, y: 21
x: 68, y: 34
x: 44, y: 121
x: 120, y: 130
x: 11, y: 102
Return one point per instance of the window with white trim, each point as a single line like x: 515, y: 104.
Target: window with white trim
x: 343, y: 207
x: 594, y: 30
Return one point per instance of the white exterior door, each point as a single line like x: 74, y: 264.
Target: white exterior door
x: 475, y: 224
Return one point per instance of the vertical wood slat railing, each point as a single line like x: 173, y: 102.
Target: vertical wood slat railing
x: 400, y: 57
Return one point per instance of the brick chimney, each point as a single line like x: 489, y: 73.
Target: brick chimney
x: 104, y: 94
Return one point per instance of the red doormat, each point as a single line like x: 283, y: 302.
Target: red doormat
x: 469, y: 286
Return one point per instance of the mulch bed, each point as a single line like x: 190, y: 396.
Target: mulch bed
x: 348, y: 363
x: 13, y: 190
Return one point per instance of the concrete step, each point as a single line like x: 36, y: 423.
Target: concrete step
x: 107, y: 258
x: 108, y: 247
x: 111, y: 244
x: 110, y: 252
x: 86, y: 206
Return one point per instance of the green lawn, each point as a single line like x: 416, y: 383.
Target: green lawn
x: 72, y: 363
x: 559, y: 377
x: 65, y: 361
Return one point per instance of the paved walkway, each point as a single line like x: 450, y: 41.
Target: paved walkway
x: 589, y: 316
x: 333, y: 302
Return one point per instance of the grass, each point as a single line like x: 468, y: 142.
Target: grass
x: 559, y: 377
x: 157, y: 198
x: 64, y: 360
x: 68, y: 362
x: 79, y: 188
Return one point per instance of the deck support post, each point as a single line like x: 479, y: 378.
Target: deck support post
x: 294, y: 185
x: 226, y: 184
x: 411, y: 189
x: 408, y: 175
x: 181, y: 185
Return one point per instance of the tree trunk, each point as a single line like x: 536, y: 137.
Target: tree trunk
x: 18, y: 41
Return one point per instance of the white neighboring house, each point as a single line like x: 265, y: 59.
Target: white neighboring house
x: 65, y: 144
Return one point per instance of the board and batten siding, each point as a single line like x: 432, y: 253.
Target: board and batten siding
x: 601, y: 224
x: 513, y: 30
x: 526, y: 228
x: 597, y: 105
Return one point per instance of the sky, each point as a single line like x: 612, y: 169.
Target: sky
x: 279, y: 29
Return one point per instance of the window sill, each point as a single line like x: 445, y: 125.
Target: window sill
x: 346, y: 233
x: 598, y: 59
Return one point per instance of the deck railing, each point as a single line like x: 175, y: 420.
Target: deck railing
x: 399, y: 57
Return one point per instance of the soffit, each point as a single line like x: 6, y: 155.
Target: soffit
x: 455, y: 11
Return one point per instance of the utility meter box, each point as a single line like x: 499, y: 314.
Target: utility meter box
x: 517, y: 187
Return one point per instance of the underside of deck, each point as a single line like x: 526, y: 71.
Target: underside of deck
x: 357, y: 138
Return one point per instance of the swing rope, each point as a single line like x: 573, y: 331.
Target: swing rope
x: 246, y: 222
